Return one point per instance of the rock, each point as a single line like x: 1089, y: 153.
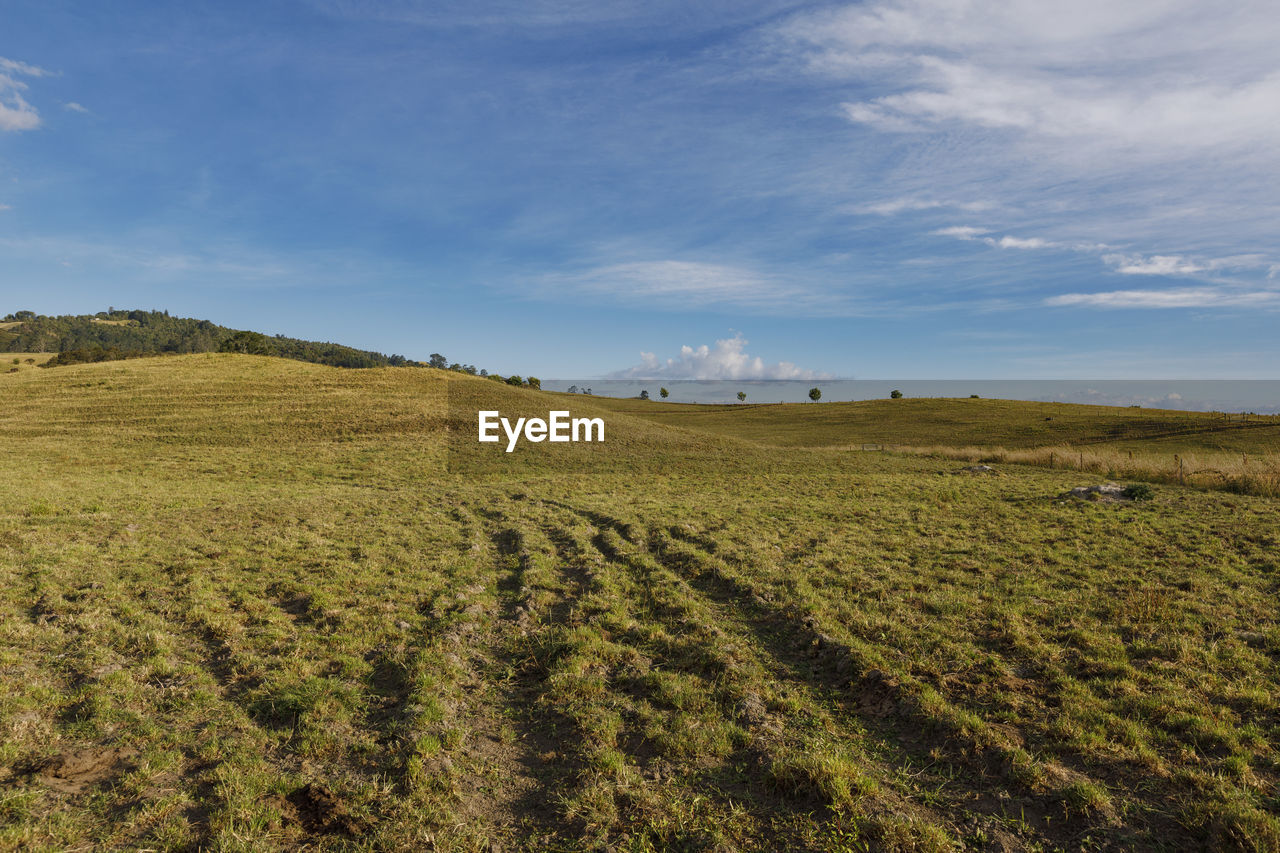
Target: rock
x: 751, y: 709
x: 1101, y: 493
x: 979, y: 469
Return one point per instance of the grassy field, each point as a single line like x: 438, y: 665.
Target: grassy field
x: 17, y: 362
x: 1208, y: 449
x: 250, y: 603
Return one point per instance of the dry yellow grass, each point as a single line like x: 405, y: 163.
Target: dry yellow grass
x: 1241, y: 472
x: 19, y: 362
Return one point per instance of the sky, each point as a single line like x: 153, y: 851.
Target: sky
x: 729, y: 189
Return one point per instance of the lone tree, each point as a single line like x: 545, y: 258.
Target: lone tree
x: 895, y: 394
x: 644, y: 395
x: 815, y: 395
x: 664, y: 393
x: 742, y: 395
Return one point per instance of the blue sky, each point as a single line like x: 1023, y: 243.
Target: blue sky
x: 896, y: 188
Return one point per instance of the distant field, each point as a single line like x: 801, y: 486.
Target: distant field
x: 22, y: 361
x: 960, y: 422
x: 1199, y: 448
x: 251, y: 603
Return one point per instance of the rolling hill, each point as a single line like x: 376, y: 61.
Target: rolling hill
x: 155, y: 332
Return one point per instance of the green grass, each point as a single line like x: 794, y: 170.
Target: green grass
x: 268, y: 604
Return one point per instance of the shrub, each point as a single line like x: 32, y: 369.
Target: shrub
x: 663, y: 393
x: 534, y: 382
x: 515, y: 379
x: 895, y: 394
x: 815, y: 395
x: 742, y: 395
x: 1138, y: 492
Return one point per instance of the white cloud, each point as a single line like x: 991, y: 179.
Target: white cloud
x: 1154, y: 265
x: 969, y: 232
x: 15, y: 113
x: 1021, y: 243
x: 962, y: 232
x: 1186, y: 297
x: 902, y: 205
x: 1155, y: 73
x: 6, y: 207
x: 728, y: 359
x: 75, y: 107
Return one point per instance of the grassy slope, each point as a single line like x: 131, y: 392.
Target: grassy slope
x: 25, y: 361
x: 256, y: 603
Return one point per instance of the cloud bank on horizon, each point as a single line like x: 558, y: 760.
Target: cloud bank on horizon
x: 728, y: 359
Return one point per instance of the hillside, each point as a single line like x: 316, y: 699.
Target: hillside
x: 251, y: 603
x: 157, y: 332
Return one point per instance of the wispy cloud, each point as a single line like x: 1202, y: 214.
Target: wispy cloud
x: 75, y: 107
x: 1146, y: 134
x: 895, y: 206
x: 1185, y: 297
x: 678, y: 284
x: 1154, y: 265
x: 1119, y: 262
x: 728, y: 359
x: 15, y: 112
x: 1084, y: 70
x: 962, y: 232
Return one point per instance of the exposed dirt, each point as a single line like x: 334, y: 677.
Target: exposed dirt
x: 317, y: 810
x: 78, y: 770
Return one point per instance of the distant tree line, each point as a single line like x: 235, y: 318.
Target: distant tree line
x: 109, y: 334
x: 519, y: 381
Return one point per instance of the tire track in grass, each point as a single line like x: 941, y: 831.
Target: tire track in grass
x: 509, y: 788
x: 912, y: 723
x: 1064, y: 790
x: 794, y: 758
x: 599, y: 669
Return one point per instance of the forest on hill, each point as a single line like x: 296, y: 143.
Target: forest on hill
x: 115, y: 334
